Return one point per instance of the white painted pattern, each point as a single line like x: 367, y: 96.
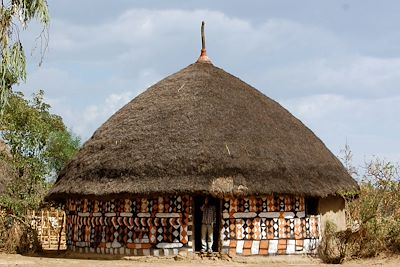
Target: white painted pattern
x: 255, y: 247
x: 245, y: 215
x: 143, y: 214
x: 156, y: 252
x: 239, y: 246
x: 167, y: 215
x: 291, y: 246
x: 273, y: 247
x: 169, y: 245
x: 126, y: 214
x: 288, y: 215
x: 226, y: 243
x: 269, y: 214
x: 301, y: 214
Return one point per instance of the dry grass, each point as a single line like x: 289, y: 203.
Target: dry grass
x: 332, y: 249
x: 16, y: 236
x: 375, y: 214
x: 373, y: 217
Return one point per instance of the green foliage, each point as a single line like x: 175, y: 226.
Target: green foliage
x: 374, y: 214
x: 62, y: 146
x: 13, y: 61
x: 40, y: 145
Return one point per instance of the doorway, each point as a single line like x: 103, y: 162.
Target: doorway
x: 198, y: 202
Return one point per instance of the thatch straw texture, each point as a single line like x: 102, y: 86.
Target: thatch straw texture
x: 202, y: 130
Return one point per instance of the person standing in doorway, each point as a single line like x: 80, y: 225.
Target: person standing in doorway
x: 207, y: 226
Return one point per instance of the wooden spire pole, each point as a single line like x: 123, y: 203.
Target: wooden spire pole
x: 203, y: 55
x: 203, y: 37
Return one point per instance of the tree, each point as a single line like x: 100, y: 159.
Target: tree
x: 40, y: 145
x: 13, y: 15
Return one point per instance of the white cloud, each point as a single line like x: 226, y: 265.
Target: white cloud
x: 352, y: 76
x: 146, y: 34
x: 369, y: 125
x: 85, y: 121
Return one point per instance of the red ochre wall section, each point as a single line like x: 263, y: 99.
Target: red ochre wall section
x: 162, y: 226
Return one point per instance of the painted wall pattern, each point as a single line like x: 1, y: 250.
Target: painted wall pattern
x: 138, y: 226
x: 160, y: 226
x: 267, y: 226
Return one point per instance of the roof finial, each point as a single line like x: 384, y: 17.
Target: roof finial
x: 203, y: 56
x: 203, y: 37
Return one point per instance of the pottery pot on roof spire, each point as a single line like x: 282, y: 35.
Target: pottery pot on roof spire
x: 203, y: 55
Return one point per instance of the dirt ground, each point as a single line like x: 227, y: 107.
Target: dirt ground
x: 54, y: 260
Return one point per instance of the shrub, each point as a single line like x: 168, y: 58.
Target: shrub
x: 374, y: 215
x: 17, y: 236
x: 331, y: 248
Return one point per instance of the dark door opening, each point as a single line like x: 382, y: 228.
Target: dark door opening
x: 198, y: 202
x: 311, y: 205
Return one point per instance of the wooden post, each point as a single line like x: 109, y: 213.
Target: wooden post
x: 60, y: 233
x: 41, y: 229
x: 203, y: 55
x: 48, y: 229
x: 193, y: 225
x: 203, y: 37
x: 219, y: 216
x: 32, y: 219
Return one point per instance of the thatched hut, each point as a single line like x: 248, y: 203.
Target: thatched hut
x: 137, y: 184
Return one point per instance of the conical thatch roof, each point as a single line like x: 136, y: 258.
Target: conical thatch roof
x: 202, y: 130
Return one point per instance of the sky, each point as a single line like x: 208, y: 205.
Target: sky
x: 335, y: 65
